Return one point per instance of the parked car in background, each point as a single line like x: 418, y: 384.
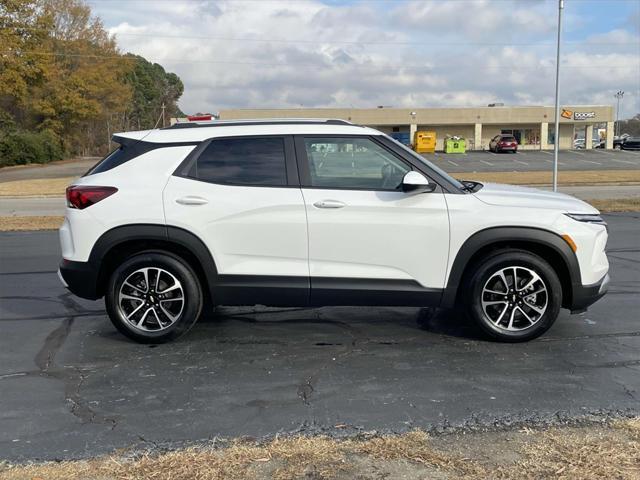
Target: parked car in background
x: 503, y: 143
x: 317, y: 213
x: 579, y: 143
x: 631, y: 143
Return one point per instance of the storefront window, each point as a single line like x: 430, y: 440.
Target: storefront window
x: 551, y: 135
x: 525, y: 136
x: 531, y: 136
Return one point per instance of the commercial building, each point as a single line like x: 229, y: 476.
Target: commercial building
x: 532, y: 126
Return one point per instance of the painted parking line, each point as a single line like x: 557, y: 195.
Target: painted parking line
x: 453, y: 163
x: 548, y: 153
x: 578, y: 153
x: 590, y: 161
x: 487, y: 163
x: 518, y: 161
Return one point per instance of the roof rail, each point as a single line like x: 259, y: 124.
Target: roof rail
x: 266, y: 121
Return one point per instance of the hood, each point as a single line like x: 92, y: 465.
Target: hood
x: 515, y: 196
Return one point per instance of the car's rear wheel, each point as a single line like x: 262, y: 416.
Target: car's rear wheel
x: 514, y: 296
x: 154, y: 297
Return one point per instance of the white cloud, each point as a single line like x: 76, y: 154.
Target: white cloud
x: 287, y: 54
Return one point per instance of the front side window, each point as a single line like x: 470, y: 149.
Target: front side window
x: 353, y: 163
x: 243, y: 161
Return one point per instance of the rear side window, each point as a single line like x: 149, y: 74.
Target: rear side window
x: 124, y: 153
x: 243, y: 161
x: 117, y: 157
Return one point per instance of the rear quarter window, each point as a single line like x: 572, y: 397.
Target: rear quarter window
x: 243, y: 161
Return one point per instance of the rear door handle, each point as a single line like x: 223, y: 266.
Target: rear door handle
x: 192, y: 200
x: 329, y: 204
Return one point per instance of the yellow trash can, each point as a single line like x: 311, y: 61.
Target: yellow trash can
x: 424, y: 142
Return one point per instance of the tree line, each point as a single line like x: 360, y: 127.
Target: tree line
x: 65, y: 87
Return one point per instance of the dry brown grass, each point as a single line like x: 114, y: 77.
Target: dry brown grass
x: 40, y: 187
x: 23, y: 224
x: 617, y: 204
x: 567, y: 178
x: 609, y: 451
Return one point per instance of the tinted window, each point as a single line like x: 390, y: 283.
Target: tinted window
x: 244, y: 161
x: 121, y: 155
x: 508, y: 138
x: 356, y: 163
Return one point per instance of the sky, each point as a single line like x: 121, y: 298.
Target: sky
x: 362, y: 54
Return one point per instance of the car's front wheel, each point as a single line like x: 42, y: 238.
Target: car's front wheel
x: 514, y: 296
x: 153, y: 297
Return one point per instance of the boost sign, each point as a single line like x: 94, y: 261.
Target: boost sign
x: 577, y: 115
x: 583, y: 115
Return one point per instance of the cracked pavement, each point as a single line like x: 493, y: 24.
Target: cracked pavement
x: 72, y: 387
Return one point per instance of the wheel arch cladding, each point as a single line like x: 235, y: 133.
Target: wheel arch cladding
x: 121, y: 242
x: 543, y: 243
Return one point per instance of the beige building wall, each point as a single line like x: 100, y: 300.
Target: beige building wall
x: 483, y: 122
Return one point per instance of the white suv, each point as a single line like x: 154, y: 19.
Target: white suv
x: 317, y: 213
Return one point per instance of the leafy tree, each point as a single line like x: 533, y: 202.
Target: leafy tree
x: 152, y: 87
x: 631, y: 126
x: 63, y: 79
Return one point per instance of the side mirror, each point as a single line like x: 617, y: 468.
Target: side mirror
x: 415, y: 182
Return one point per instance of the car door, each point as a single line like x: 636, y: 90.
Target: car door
x: 369, y: 242
x: 242, y: 198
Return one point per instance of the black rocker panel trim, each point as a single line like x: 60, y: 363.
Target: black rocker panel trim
x: 504, y: 235
x: 273, y: 291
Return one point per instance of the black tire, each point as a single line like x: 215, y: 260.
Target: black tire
x: 498, y: 328
x: 173, y: 271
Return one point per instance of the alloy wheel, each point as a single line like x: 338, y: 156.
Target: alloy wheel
x: 514, y: 298
x: 151, y: 299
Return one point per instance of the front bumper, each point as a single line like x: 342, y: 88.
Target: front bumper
x: 585, y: 295
x: 80, y: 278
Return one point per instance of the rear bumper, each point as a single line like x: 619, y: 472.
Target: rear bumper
x: 585, y: 295
x: 80, y: 278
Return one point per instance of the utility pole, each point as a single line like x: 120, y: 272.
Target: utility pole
x: 163, y: 124
x: 556, y: 136
x: 619, y: 94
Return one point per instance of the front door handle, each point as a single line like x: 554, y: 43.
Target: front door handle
x: 192, y: 200
x: 329, y: 204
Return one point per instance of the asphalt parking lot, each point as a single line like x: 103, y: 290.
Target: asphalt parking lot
x: 536, y: 160
x: 71, y: 386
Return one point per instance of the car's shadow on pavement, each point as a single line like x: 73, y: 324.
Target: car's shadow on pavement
x: 451, y: 323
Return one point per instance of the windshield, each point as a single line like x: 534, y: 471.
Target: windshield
x: 431, y: 165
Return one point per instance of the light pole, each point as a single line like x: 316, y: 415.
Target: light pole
x: 619, y: 94
x: 556, y: 136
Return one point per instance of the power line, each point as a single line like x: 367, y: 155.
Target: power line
x: 343, y: 42
x: 312, y: 65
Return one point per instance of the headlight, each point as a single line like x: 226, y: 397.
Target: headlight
x: 587, y: 217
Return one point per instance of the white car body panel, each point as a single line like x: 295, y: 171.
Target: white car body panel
x: 138, y: 200
x: 249, y: 230
x: 378, y: 235
x: 529, y: 208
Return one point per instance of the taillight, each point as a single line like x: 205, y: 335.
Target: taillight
x: 81, y: 196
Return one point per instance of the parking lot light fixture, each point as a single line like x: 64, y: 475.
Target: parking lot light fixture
x: 619, y: 95
x: 556, y: 135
